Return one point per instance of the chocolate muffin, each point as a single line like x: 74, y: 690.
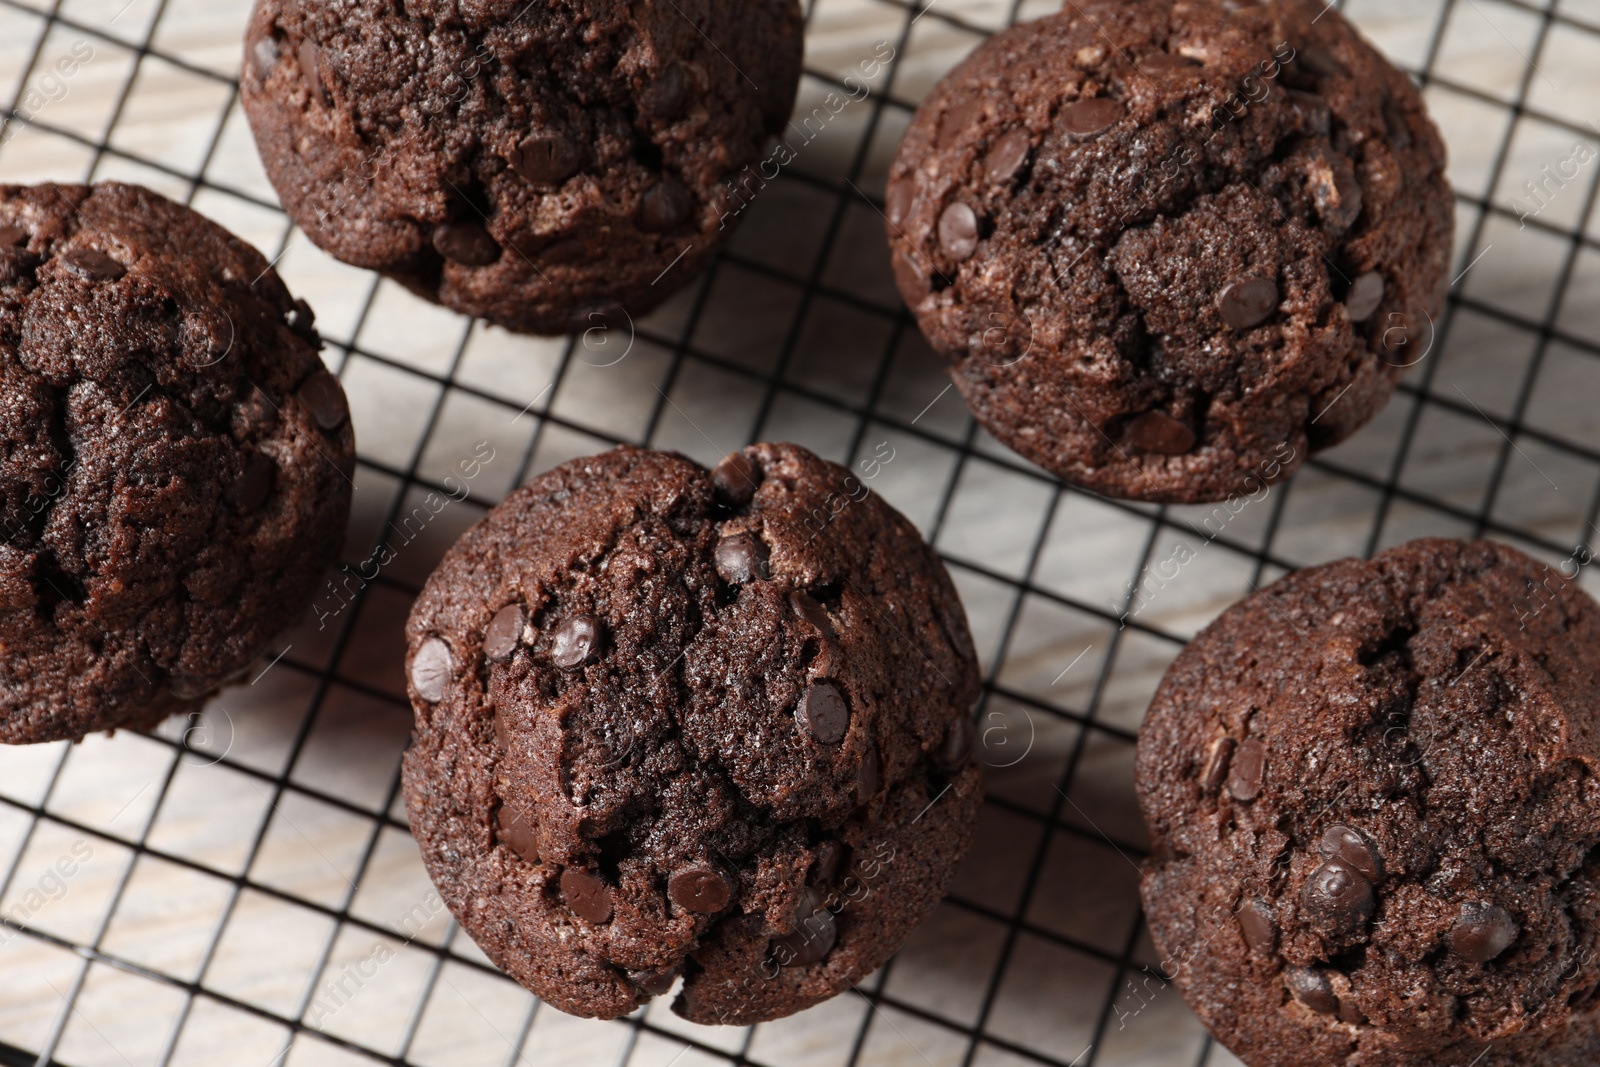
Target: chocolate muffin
x: 1372, y: 797
x: 547, y: 167
x: 174, y: 459
x: 673, y: 722
x: 1173, y: 246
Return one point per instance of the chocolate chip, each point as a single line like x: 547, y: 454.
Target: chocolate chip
x: 897, y: 203
x: 1349, y: 1013
x: 263, y: 56
x: 94, y: 265
x: 1365, y: 295
x: 958, y: 120
x: 586, y: 894
x: 1217, y: 761
x: 466, y: 243
x: 1335, y: 189
x: 1396, y: 122
x: 1089, y: 118
x: 431, y: 670
x: 1321, y: 62
x: 517, y: 833
x: 11, y: 236
x: 812, y: 940
x: 1248, y: 302
x: 311, y: 71
x: 655, y: 981
x: 1165, y: 63
x: 1337, y: 897
x: 700, y: 889
x: 1352, y: 848
x: 1156, y: 431
x: 958, y: 231
x: 869, y: 777
x: 1314, y: 109
x: 664, y: 98
x: 1249, y: 767
x: 1312, y: 989
x: 910, y: 274
x: 16, y: 264
x: 546, y: 157
x: 955, y: 751
x: 829, y: 860
x: 822, y: 713
x: 806, y: 607
x: 577, y: 641
x: 735, y: 479
x: 665, y: 206
x: 742, y: 558
x: 1256, y: 925
x: 255, y: 483
x: 324, y: 397
x: 1007, y: 156
x: 1482, y: 932
x: 504, y: 634
x: 811, y: 901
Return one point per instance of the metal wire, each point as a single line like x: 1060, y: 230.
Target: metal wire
x: 965, y: 1037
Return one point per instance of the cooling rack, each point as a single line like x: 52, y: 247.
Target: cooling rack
x: 240, y: 886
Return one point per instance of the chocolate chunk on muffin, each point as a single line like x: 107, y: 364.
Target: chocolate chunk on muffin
x: 547, y: 167
x: 675, y: 723
x: 1173, y: 247
x: 1371, y: 794
x: 174, y: 459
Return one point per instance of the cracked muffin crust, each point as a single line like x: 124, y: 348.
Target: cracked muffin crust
x: 1372, y: 799
x: 672, y: 722
x: 541, y: 166
x: 173, y: 459
x: 1163, y: 239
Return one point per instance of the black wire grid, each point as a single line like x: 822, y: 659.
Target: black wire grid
x: 222, y: 924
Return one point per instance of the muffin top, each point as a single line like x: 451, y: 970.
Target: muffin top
x: 174, y: 458
x: 1372, y: 800
x: 531, y: 164
x: 1173, y: 247
x: 674, y: 722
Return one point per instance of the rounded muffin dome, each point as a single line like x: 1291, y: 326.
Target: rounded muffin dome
x: 1173, y: 246
x: 1374, y: 814
x: 174, y: 459
x: 536, y: 165
x: 679, y: 723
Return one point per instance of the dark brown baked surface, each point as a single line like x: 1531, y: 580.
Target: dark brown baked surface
x: 1372, y: 799
x: 1173, y: 247
x: 671, y: 722
x: 174, y: 459
x: 530, y: 164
